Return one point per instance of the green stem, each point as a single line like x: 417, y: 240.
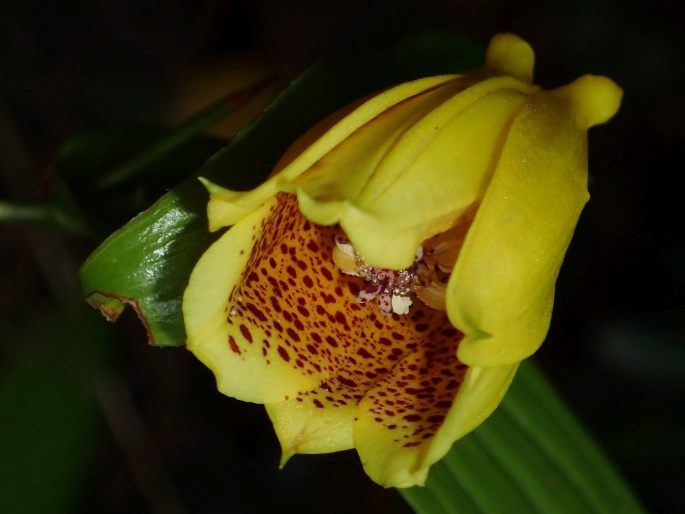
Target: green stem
x: 191, y: 127
x: 44, y: 212
x: 18, y: 212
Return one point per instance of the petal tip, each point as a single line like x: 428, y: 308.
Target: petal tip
x: 510, y: 55
x: 595, y: 99
x: 285, y: 457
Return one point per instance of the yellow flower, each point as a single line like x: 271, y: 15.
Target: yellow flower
x: 380, y: 289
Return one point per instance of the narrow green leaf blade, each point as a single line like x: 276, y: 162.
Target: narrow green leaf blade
x: 530, y: 456
x: 49, y: 419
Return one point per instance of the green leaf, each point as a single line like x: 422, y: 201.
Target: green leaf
x: 82, y: 161
x: 530, y: 456
x: 148, y: 262
x: 49, y: 420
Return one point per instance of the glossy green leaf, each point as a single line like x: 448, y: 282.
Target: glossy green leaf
x: 531, y: 455
x: 148, y: 262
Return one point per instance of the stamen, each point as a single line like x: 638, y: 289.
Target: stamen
x: 390, y: 288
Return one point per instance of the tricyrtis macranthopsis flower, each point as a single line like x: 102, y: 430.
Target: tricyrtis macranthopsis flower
x: 380, y: 289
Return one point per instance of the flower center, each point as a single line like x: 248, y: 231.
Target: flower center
x: 426, y: 278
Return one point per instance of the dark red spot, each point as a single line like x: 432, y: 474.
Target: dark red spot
x: 291, y: 271
x: 354, y: 288
x: 317, y: 403
x: 422, y: 327
x: 326, y: 273
x: 363, y: 352
x: 340, y: 318
x: 293, y: 335
x: 258, y: 313
x: 246, y: 333
x: 312, y: 245
x: 412, y: 417
x: 272, y: 262
x: 284, y: 354
x: 308, y: 281
x: 450, y: 332
x: 436, y: 419
x: 233, y: 345
x: 303, y: 311
x: 275, y: 304
x: 347, y: 382
x: 332, y: 341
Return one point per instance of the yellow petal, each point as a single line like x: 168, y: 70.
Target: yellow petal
x: 440, y: 169
x: 401, y: 457
x: 227, y: 325
x: 226, y: 207
x: 502, y: 288
x: 312, y: 424
x: 410, y: 172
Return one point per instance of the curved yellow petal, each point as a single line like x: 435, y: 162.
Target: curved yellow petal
x: 411, y: 171
x: 401, y: 458
x: 229, y: 348
x: 424, y: 185
x: 307, y: 427
x: 226, y: 207
x: 501, y: 290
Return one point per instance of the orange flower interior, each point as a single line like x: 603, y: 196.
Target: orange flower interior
x: 293, y: 304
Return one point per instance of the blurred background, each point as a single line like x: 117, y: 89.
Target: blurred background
x: 151, y: 434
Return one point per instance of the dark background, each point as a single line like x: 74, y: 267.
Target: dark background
x: 616, y: 348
